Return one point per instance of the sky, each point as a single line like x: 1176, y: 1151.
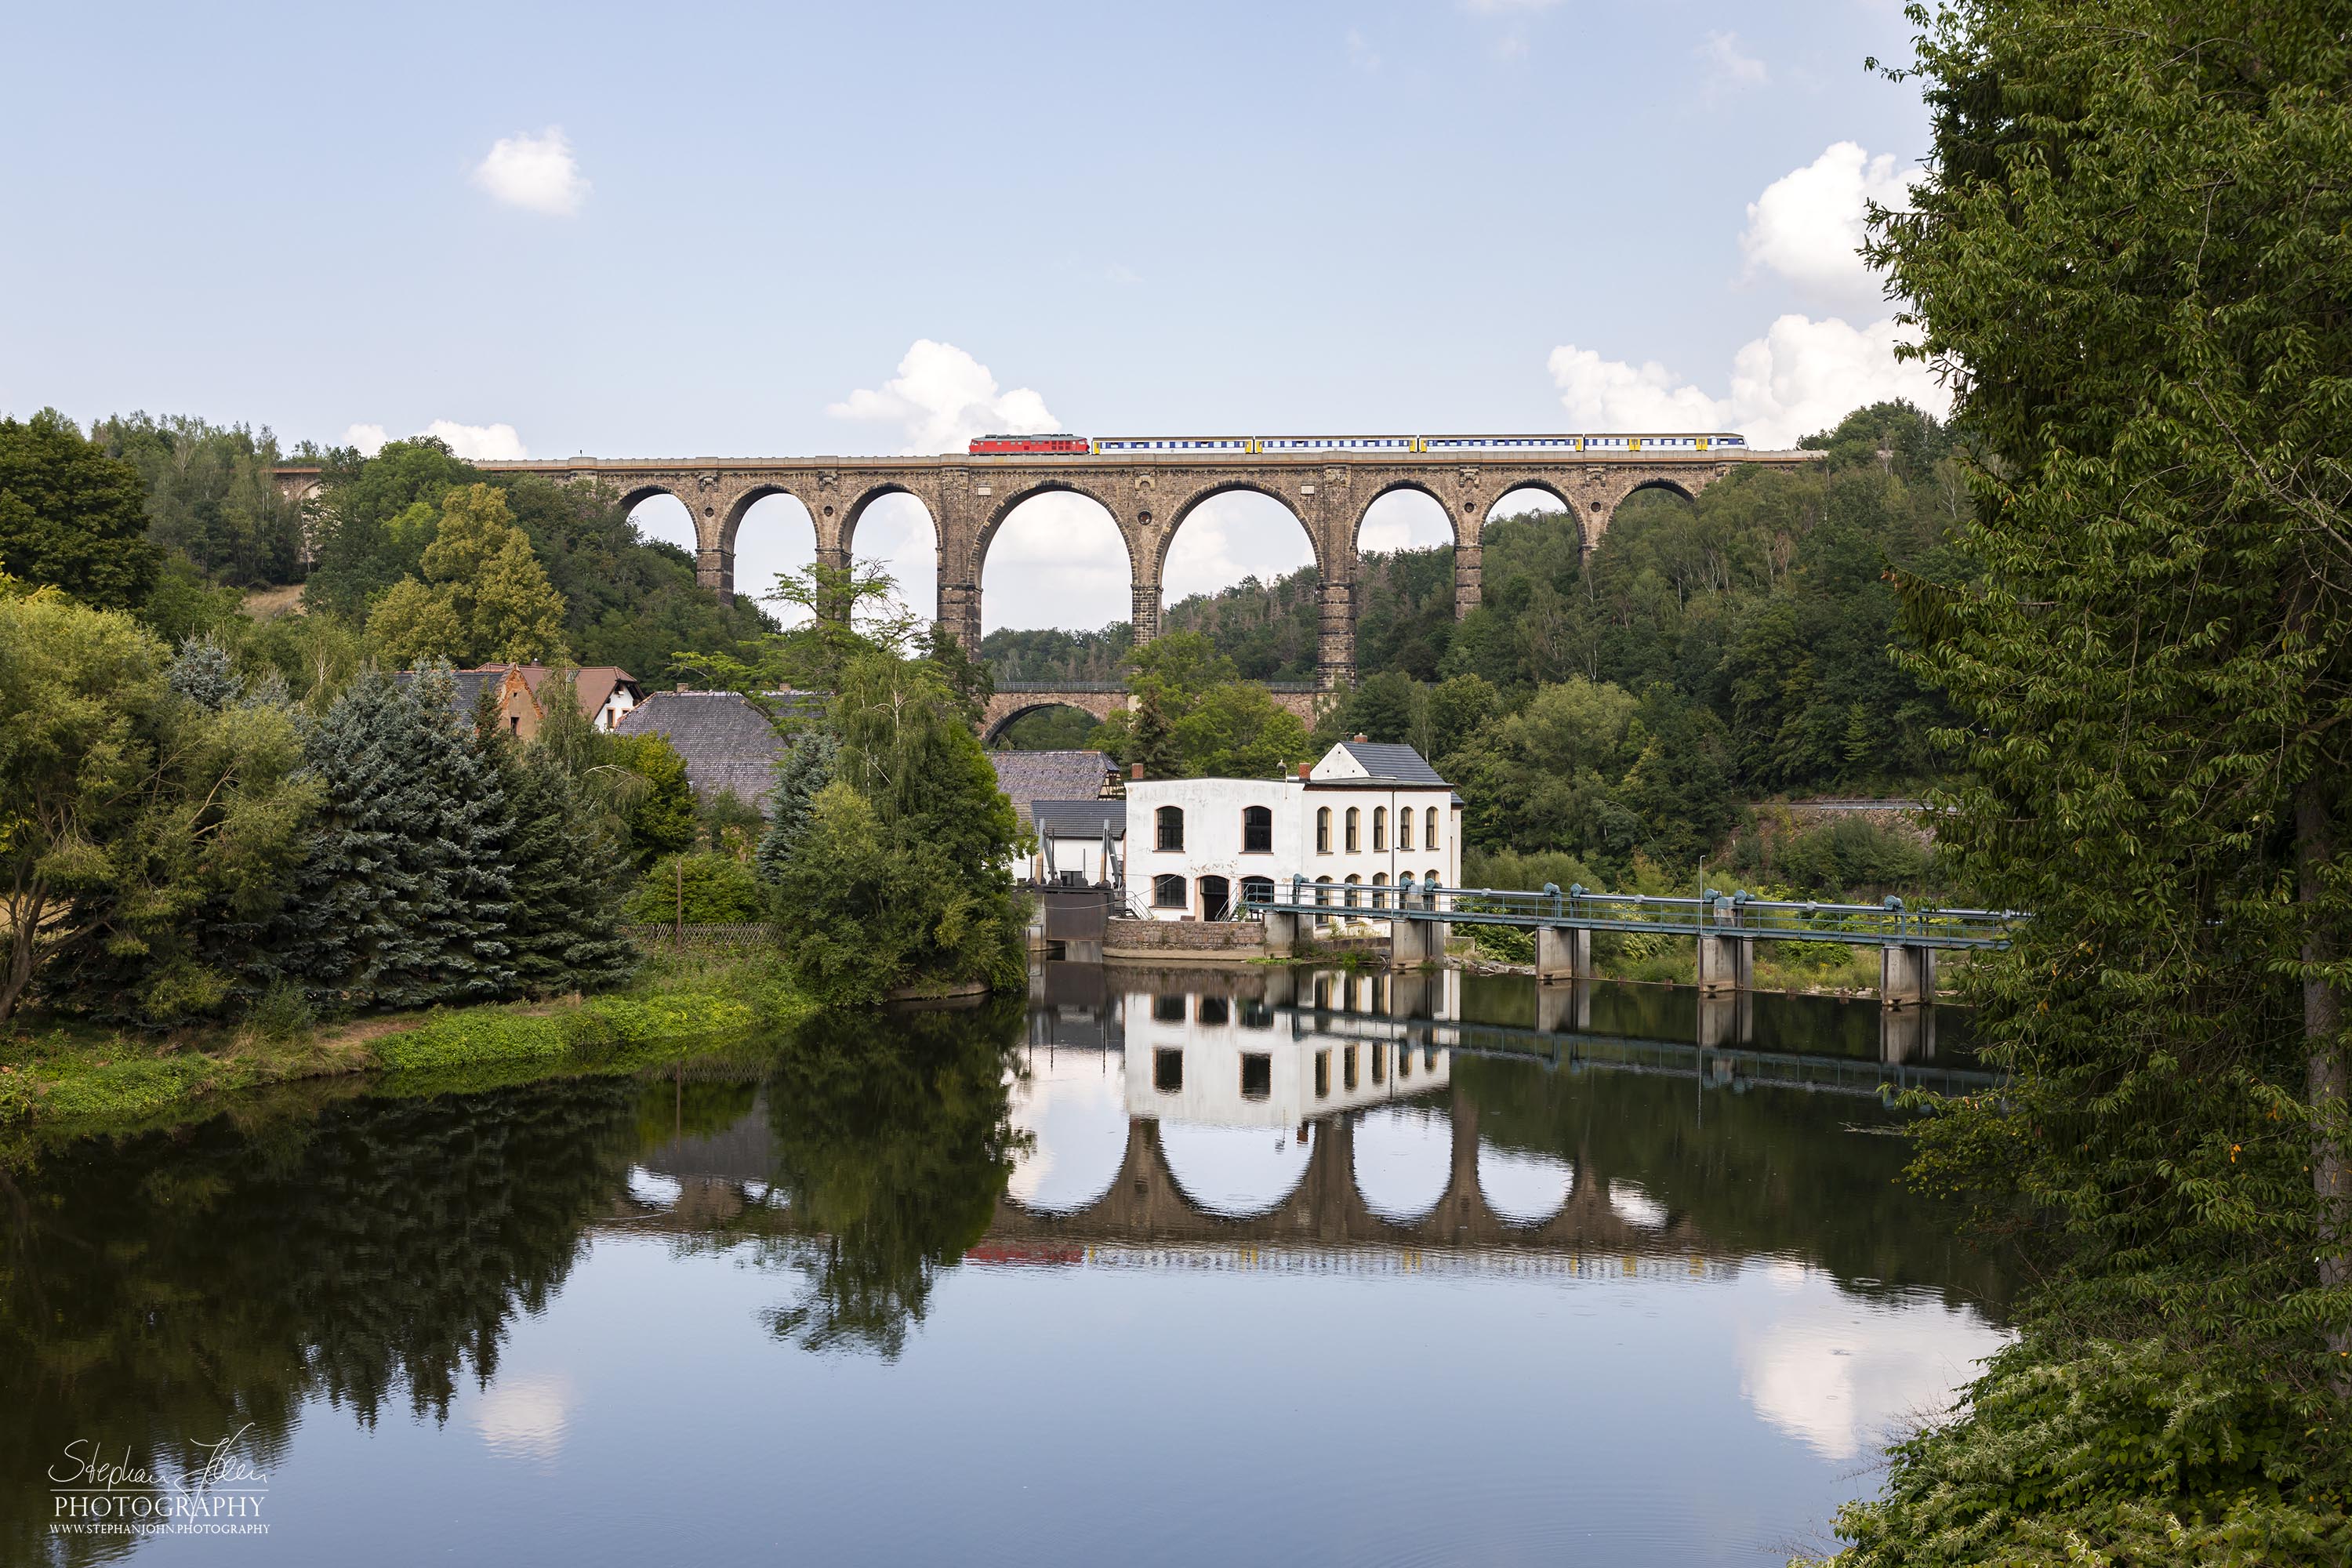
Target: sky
x: 691, y: 230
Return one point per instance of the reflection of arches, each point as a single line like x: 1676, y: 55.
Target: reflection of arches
x: 1524, y: 1189
x: 1073, y: 1106
x: 1237, y: 1172
x: 1404, y: 1157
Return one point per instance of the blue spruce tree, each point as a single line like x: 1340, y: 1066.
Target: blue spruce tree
x: 405, y: 896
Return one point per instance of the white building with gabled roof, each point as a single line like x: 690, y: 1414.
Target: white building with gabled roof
x: 1365, y: 816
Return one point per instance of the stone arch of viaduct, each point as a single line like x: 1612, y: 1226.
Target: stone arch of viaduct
x: 1148, y: 498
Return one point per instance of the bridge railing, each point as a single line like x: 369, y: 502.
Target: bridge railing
x: 1715, y: 914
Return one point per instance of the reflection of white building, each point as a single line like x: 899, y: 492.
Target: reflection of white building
x: 1365, y: 816
x: 1230, y: 1062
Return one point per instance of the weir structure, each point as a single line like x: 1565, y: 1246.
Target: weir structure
x: 1148, y: 497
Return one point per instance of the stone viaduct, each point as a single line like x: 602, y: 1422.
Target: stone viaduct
x: 1148, y: 498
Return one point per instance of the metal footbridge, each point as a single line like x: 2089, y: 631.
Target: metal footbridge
x: 1727, y: 926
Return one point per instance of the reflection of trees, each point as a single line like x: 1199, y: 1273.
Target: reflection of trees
x: 892, y: 1145
x: 165, y: 1289
x: 1812, y: 1176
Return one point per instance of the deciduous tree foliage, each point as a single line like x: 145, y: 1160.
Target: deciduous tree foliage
x: 212, y: 495
x: 72, y: 517
x: 901, y: 877
x: 2133, y: 247
x: 483, y: 598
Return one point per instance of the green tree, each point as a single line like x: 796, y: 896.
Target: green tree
x: 72, y: 517
x: 901, y: 876
x: 212, y: 494
x: 1191, y: 715
x: 714, y: 889
x: 805, y: 766
x: 375, y: 517
x: 658, y: 811
x: 2131, y: 244
x: 484, y: 597
x: 564, y: 868
x: 405, y: 896
x: 170, y: 910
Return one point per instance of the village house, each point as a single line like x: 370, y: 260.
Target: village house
x: 1365, y: 817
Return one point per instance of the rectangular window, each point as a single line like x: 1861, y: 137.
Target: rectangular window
x: 1355, y: 830
x: 1215, y: 1010
x: 1323, y: 831
x: 1404, y: 828
x: 1257, y: 1075
x: 1429, y: 839
x: 1348, y: 1068
x: 1168, y: 1071
x: 1380, y: 1063
x: 1380, y: 827
x: 1322, y: 1074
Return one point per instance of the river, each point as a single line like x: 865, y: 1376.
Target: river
x: 1159, y: 1267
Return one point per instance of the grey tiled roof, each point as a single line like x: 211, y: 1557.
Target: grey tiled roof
x: 1400, y: 765
x: 1026, y: 776
x: 728, y: 744
x: 1078, y: 818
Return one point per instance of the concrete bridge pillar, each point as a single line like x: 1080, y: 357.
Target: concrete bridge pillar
x: 1906, y: 974
x: 1725, y: 963
x: 1563, y: 952
x: 1412, y: 943
x: 1281, y: 933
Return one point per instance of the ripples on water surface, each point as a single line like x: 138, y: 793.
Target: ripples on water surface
x: 1160, y: 1268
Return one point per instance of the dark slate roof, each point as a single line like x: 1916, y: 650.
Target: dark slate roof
x: 1078, y: 818
x: 467, y: 686
x: 1391, y: 764
x: 727, y: 743
x: 1027, y: 776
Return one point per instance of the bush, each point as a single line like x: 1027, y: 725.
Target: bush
x: 718, y: 889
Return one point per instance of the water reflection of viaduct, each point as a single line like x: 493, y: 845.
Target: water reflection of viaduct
x: 1145, y: 1204
x: 970, y: 499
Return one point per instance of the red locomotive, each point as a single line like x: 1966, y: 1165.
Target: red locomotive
x: 1059, y: 445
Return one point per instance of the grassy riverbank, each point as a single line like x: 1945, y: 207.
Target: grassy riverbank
x: 55, y: 1071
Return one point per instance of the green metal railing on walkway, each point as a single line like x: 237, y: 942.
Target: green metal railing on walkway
x: 1737, y: 914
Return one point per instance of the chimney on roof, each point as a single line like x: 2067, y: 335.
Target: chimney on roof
x: 682, y: 686
x: 1136, y: 773
x: 1359, y: 740
x: 1305, y: 768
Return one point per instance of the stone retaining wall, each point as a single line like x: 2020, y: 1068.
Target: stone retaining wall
x: 1185, y: 941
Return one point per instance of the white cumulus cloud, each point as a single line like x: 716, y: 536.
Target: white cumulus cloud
x: 1611, y: 394
x: 1729, y: 65
x: 942, y: 398
x: 538, y: 173
x: 1801, y: 376
x: 475, y: 442
x: 1804, y: 375
x: 1809, y: 224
